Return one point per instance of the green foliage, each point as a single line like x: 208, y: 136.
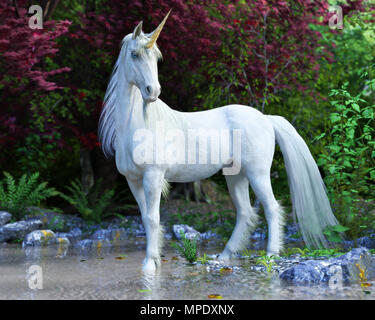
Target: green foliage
x: 349, y: 158
x: 203, y: 259
x: 268, y: 262
x: 313, y: 253
x: 334, y: 233
x: 247, y: 252
x: 15, y: 198
x: 221, y: 221
x: 287, y: 252
x: 322, y: 252
x: 56, y: 224
x: 92, y: 206
x: 188, y: 248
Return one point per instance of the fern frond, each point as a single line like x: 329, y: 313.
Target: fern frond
x: 11, y: 184
x: 3, y: 197
x: 26, y: 193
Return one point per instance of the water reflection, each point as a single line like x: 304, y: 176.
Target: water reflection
x: 116, y: 273
x: 151, y: 285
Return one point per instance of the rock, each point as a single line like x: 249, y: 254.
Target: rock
x: 72, y: 235
x: 366, y: 242
x: 258, y: 234
x: 4, y: 217
x: 209, y: 235
x: 291, y: 233
x: 307, y: 272
x: 190, y: 233
x: 84, y: 244
x: 90, y: 243
x: 39, y: 238
x: 168, y: 236
x: 110, y: 234
x: 56, y: 222
x: 75, y: 233
x: 18, y: 230
x: 102, y: 234
x: 345, y: 269
x: 62, y: 241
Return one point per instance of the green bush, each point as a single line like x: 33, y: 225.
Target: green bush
x: 349, y: 158
x: 92, y: 206
x: 15, y: 198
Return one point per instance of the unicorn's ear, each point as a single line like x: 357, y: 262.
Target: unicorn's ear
x: 138, y: 29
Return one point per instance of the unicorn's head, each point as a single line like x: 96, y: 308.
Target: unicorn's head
x: 141, y: 55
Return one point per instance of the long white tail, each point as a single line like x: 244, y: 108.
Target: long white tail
x: 310, y: 202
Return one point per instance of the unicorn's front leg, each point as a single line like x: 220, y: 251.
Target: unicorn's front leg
x: 152, y: 184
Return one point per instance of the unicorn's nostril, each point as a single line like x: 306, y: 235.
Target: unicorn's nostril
x: 149, y: 90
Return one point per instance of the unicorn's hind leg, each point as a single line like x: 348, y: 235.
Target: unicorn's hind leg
x: 261, y: 184
x: 238, y: 186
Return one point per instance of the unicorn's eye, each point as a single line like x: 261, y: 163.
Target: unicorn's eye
x: 135, y: 54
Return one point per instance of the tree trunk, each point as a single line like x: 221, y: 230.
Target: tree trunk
x: 190, y: 191
x: 105, y: 170
x: 87, y: 171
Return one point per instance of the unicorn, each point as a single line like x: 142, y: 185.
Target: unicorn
x: 132, y: 106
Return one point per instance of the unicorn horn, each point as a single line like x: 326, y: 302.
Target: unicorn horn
x: 156, y: 33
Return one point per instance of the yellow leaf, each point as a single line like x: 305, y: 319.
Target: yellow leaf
x: 365, y: 284
x: 226, y: 270
x: 215, y: 296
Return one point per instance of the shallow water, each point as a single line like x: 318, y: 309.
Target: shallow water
x: 115, y: 273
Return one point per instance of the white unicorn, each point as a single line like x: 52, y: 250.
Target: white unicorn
x: 131, y: 105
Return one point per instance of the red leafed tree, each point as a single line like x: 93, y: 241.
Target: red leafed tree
x: 94, y: 43
x: 189, y: 34
x: 276, y: 35
x: 268, y: 47
x: 23, y: 71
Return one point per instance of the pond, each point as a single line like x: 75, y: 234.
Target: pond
x: 115, y: 273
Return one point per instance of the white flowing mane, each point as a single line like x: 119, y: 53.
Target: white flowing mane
x: 112, y: 99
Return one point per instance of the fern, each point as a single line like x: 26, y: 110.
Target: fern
x: 188, y: 248
x: 92, y: 206
x: 15, y: 198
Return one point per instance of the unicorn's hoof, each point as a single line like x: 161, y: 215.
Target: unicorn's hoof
x: 149, y: 266
x: 225, y: 256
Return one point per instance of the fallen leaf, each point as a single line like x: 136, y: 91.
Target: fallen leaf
x: 365, y: 284
x: 215, y: 296
x: 174, y: 258
x: 100, y: 258
x: 144, y: 290
x: 367, y: 292
x: 226, y: 270
x: 164, y: 260
x: 83, y: 260
x: 120, y: 258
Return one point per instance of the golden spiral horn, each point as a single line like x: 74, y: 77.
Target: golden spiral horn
x: 156, y: 33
